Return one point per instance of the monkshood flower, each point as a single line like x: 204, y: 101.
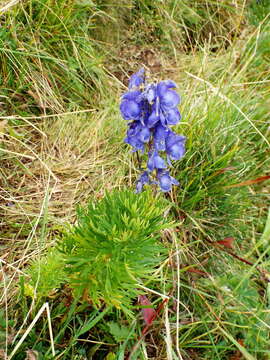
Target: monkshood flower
x: 150, y: 110
x: 137, y: 135
x: 143, y: 179
x: 166, y: 181
x: 155, y: 161
x: 175, y: 145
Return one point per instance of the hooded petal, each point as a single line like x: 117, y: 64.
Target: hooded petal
x: 136, y: 143
x: 132, y: 95
x: 152, y: 119
x: 163, y: 86
x: 172, y: 116
x: 144, y: 134
x: 160, y: 135
x: 130, y: 110
x: 151, y: 93
x: 136, y: 79
x: 138, y: 130
x: 143, y: 179
x: 166, y: 181
x: 177, y: 151
x: 175, y: 146
x: 169, y: 99
x: 156, y: 162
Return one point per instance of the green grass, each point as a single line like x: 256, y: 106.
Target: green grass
x: 61, y: 70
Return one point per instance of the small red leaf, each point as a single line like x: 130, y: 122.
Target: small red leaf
x: 227, y: 242
x: 249, y: 182
x: 197, y: 271
x: 148, y: 312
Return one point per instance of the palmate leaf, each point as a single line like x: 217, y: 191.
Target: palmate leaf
x: 119, y: 332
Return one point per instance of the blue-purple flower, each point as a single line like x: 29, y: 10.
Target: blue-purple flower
x: 166, y: 181
x: 136, y: 79
x: 137, y: 135
x: 151, y: 109
x: 143, y: 179
x: 155, y: 161
x: 130, y: 106
x: 160, y: 134
x: 175, y: 145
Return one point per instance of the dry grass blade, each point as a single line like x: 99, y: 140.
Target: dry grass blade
x: 178, y: 297
x: 250, y: 182
x: 8, y: 5
x: 168, y: 338
x: 30, y: 327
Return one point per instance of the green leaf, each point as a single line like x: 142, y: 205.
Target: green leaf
x: 241, y: 348
x: 119, y: 332
x: 90, y: 324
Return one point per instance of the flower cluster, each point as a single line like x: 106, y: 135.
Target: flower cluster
x: 151, y: 109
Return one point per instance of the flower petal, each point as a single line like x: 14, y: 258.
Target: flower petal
x: 163, y: 86
x: 150, y: 93
x: 136, y: 79
x: 143, y: 179
x: 136, y: 143
x: 144, y: 134
x: 174, y: 181
x: 166, y: 181
x: 160, y: 135
x: 172, y: 116
x: 132, y: 95
x: 169, y: 99
x: 130, y: 110
x: 175, y: 145
x: 152, y: 119
x: 177, y: 151
x: 156, y: 162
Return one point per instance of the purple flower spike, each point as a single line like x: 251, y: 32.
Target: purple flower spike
x: 151, y: 109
